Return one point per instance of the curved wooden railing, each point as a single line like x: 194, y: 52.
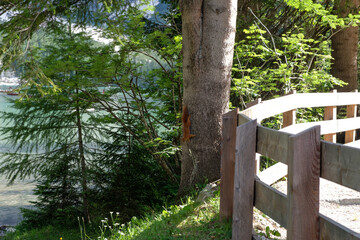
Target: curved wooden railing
x: 287, y: 106
x: 301, y: 154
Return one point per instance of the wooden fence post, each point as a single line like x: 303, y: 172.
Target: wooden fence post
x: 330, y: 113
x: 244, y: 181
x: 351, y: 111
x: 228, y: 164
x: 303, y: 185
x: 289, y: 117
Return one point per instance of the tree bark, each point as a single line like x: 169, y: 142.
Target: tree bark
x: 82, y: 163
x: 345, y: 47
x: 208, y: 28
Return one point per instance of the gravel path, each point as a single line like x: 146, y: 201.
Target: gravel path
x: 337, y: 202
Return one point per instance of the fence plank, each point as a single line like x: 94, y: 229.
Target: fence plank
x: 228, y: 164
x: 271, y: 202
x: 340, y: 164
x: 355, y: 144
x: 327, y: 127
x: 253, y: 103
x: 330, y: 114
x: 289, y: 118
x: 303, y: 185
x: 272, y: 143
x: 300, y: 100
x: 244, y: 181
x: 273, y: 173
x: 351, y: 111
x: 329, y: 229
x: 243, y: 119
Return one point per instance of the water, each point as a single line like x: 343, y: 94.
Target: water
x: 17, y: 195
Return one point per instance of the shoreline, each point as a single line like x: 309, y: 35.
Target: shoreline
x: 12, y: 198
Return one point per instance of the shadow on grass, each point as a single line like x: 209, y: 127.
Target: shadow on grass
x: 189, y: 223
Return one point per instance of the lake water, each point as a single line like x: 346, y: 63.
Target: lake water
x: 19, y: 194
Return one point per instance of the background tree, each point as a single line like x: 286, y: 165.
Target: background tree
x: 344, y: 44
x: 208, y: 29
x: 57, y: 127
x: 134, y: 86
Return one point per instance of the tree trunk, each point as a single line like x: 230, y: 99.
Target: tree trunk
x: 345, y: 46
x: 82, y: 163
x: 208, y: 28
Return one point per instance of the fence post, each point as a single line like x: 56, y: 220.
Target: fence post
x: 244, y: 181
x: 257, y: 156
x: 229, y: 125
x: 289, y: 117
x: 303, y: 185
x: 351, y: 111
x: 330, y: 113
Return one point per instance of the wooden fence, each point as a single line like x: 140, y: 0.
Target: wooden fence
x: 307, y: 157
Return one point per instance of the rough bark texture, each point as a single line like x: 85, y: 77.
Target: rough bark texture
x: 345, y: 46
x: 208, y: 45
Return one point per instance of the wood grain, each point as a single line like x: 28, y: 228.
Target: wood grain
x: 227, y: 164
x: 273, y: 143
x: 340, y: 164
x: 289, y: 118
x: 303, y: 185
x: 330, y: 114
x: 271, y: 202
x: 273, y: 173
x: 253, y: 103
x: 351, y: 111
x: 327, y: 127
x: 244, y: 181
x: 300, y: 100
x: 243, y: 119
x: 329, y: 229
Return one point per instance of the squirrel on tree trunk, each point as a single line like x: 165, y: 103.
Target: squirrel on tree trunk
x: 186, y: 125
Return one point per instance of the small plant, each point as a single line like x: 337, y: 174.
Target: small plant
x: 270, y: 233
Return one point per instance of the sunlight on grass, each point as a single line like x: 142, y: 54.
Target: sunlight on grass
x: 189, y: 220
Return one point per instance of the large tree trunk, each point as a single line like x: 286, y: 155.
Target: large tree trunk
x: 345, y: 47
x: 208, y: 45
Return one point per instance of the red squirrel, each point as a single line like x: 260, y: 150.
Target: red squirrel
x: 186, y: 125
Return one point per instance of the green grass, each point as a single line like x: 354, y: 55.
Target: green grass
x: 189, y: 220
x: 45, y: 233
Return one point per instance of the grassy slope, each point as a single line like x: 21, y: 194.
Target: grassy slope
x: 189, y: 220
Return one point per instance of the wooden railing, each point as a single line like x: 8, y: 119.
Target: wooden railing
x: 307, y: 158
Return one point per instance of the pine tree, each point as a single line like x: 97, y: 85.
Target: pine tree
x: 55, y: 137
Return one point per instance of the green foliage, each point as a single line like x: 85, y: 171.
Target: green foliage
x: 265, y: 70
x: 189, y: 220
x: 53, y: 135
x: 131, y: 140
x: 131, y: 135
x: 318, y: 8
x: 131, y: 185
x: 55, y: 232
x: 270, y: 233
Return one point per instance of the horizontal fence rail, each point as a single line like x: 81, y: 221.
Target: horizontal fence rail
x: 307, y: 158
x: 287, y: 103
x: 340, y: 163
